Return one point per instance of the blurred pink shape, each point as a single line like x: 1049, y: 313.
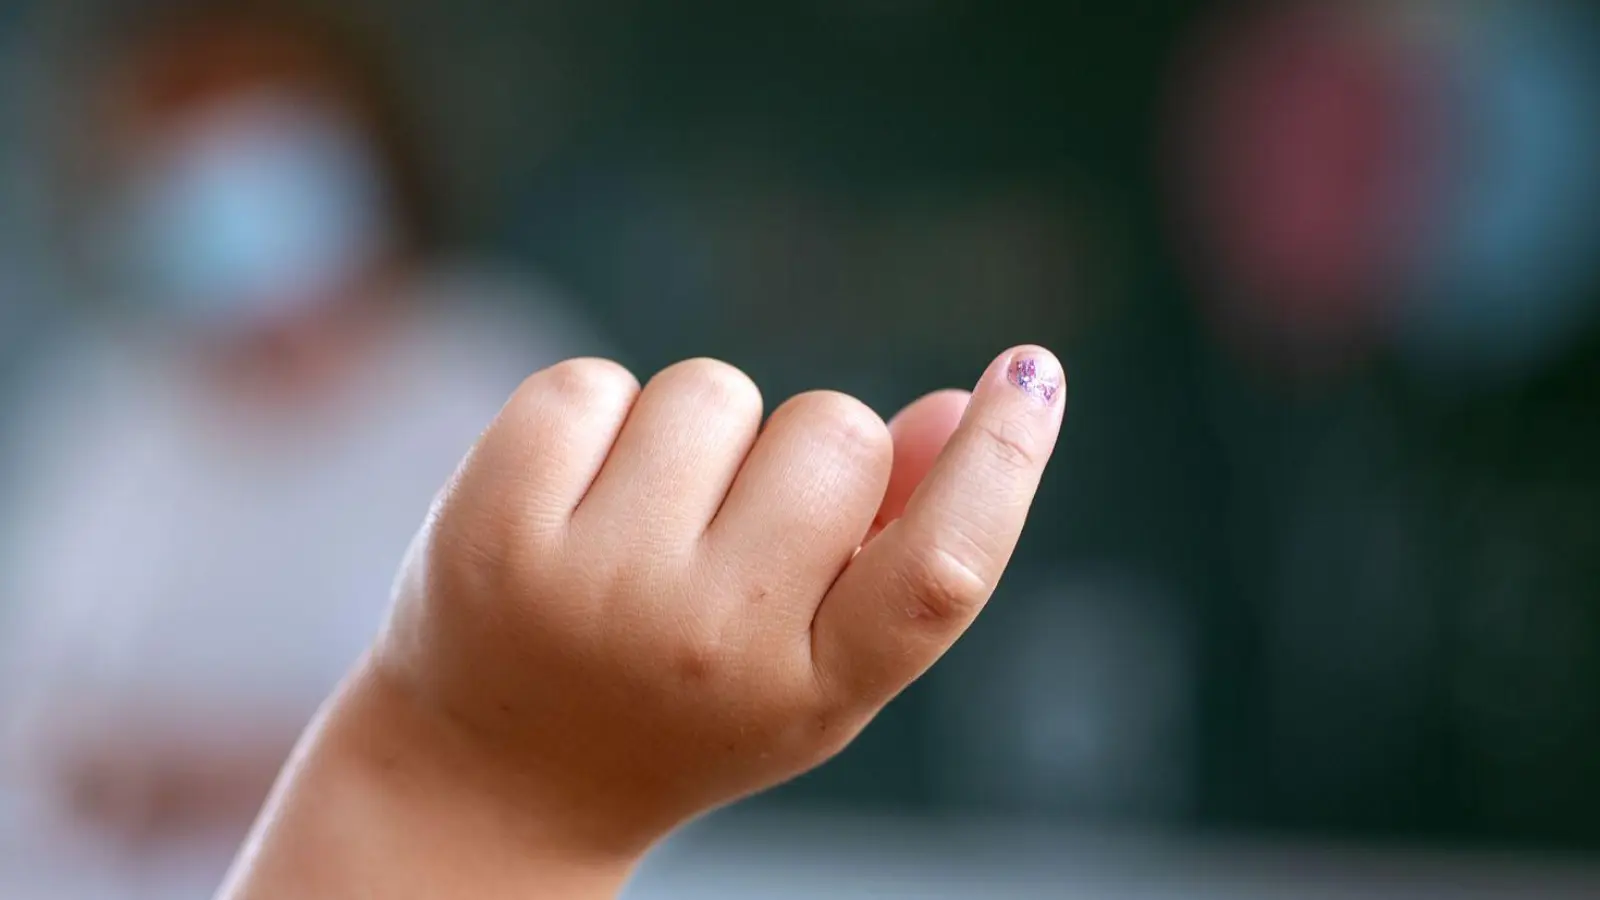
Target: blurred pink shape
x: 1298, y: 171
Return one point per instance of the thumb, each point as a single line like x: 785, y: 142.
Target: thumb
x: 912, y: 591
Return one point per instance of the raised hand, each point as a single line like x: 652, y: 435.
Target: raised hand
x: 631, y: 605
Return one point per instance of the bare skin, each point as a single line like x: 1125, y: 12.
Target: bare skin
x: 630, y: 606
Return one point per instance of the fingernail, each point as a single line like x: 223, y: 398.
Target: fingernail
x: 1039, y: 381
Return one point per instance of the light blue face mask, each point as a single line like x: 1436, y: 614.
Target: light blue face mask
x: 254, y: 212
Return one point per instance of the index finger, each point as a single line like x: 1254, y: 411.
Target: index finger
x: 912, y: 591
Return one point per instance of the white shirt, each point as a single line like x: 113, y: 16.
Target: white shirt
x: 217, y: 567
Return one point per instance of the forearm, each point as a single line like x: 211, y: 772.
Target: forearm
x: 382, y: 800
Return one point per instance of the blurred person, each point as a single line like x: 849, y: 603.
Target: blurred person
x: 215, y: 477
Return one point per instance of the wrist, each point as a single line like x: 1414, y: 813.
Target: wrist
x: 385, y: 798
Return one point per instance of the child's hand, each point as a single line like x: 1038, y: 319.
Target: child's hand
x: 629, y: 607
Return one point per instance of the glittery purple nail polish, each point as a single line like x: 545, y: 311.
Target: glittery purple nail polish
x: 1041, y: 385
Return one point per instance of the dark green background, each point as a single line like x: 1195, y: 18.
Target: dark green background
x: 1391, y: 586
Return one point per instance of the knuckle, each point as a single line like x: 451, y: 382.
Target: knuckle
x: 943, y: 588
x: 1012, y: 443
x: 695, y: 663
x: 844, y: 423
x: 698, y: 657
x: 577, y: 383
x: 717, y: 384
x: 587, y: 380
x: 641, y: 569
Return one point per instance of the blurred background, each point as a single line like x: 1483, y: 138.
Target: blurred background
x: 1310, y: 601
